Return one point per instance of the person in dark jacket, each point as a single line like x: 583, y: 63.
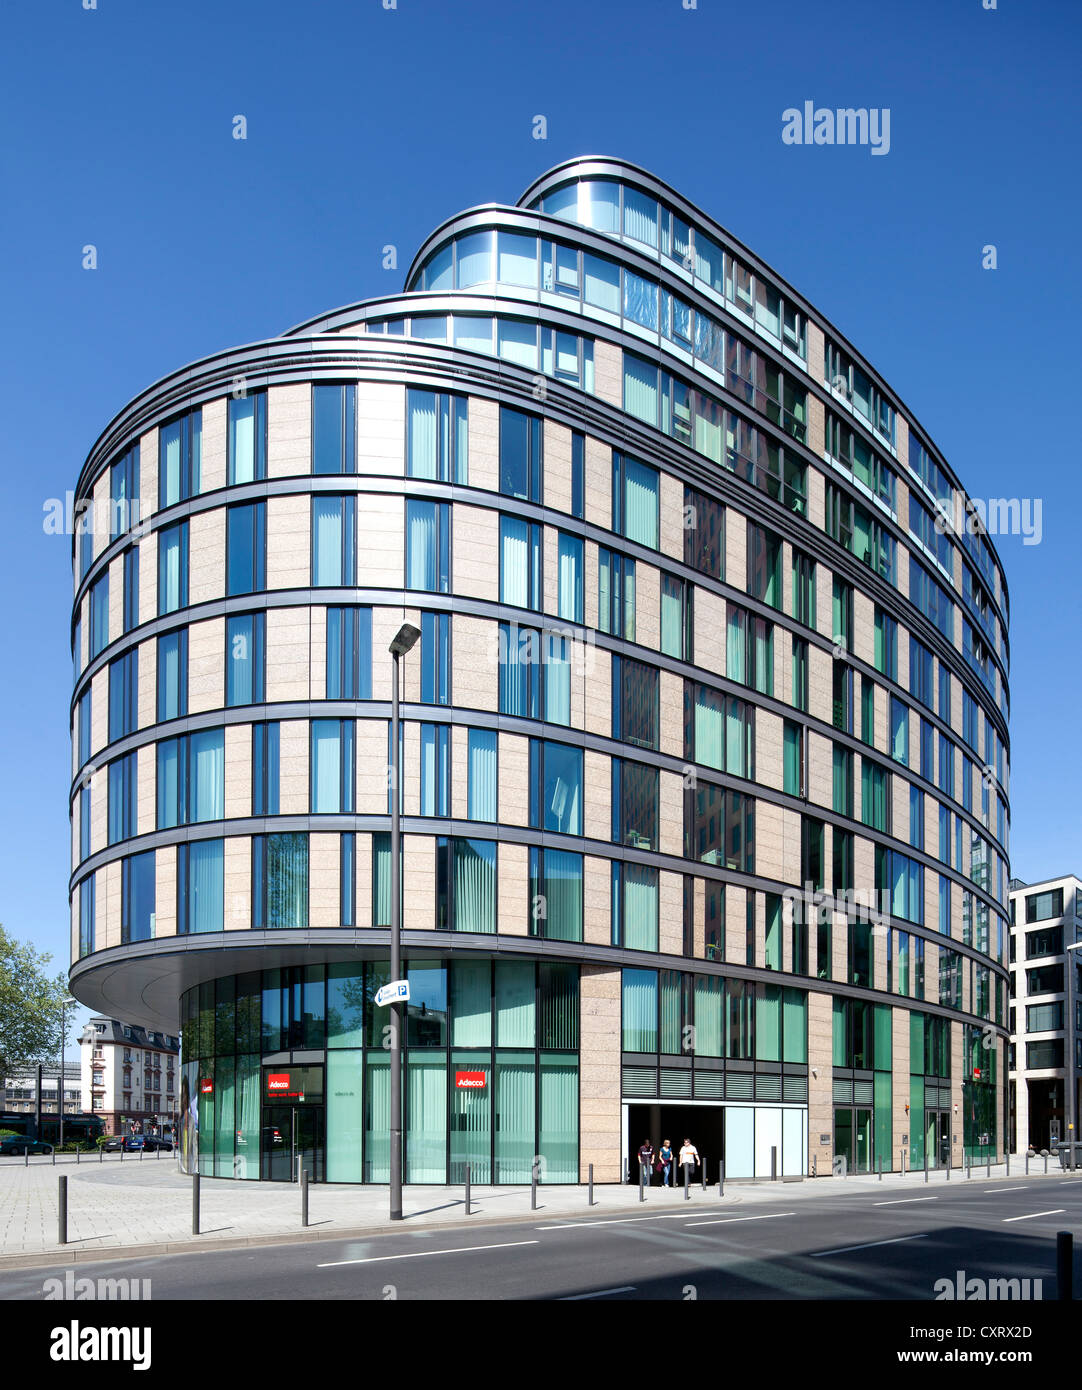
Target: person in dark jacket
x: 646, y: 1160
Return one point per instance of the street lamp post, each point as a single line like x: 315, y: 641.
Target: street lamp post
x: 1070, y: 1044
x: 404, y: 640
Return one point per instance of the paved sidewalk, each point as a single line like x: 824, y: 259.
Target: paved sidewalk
x: 144, y: 1207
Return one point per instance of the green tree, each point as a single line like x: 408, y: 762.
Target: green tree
x: 30, y: 1004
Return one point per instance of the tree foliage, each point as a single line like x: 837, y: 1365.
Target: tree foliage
x: 30, y: 1002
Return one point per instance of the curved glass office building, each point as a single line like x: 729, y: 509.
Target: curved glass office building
x: 704, y: 748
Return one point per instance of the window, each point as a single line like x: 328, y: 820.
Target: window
x: 812, y: 862
x: 749, y: 650
x: 123, y: 804
x: 99, y: 615
x: 921, y: 684
x: 635, y: 702
x: 245, y: 659
x: 265, y: 765
x: 1041, y: 906
x: 435, y: 770
x: 520, y: 563
x: 435, y: 658
x: 842, y: 696
x: 123, y: 695
x: 1047, y: 942
x: 842, y: 793
x: 131, y: 588
x: 173, y: 568
x: 950, y: 978
x: 124, y: 500
x: 481, y: 789
x: 334, y: 547
x: 931, y: 598
x: 800, y: 674
x: 180, y: 447
x: 886, y: 644
x: 676, y: 617
x: 333, y: 773
x: 334, y: 429
x: 191, y: 778
x: 569, y: 566
x: 279, y: 881
x: 465, y: 885
x: 349, y: 653
x: 719, y: 730
x: 247, y: 439
x: 1044, y: 1055
x: 874, y: 795
x: 842, y: 614
x: 555, y: 907
x: 137, y: 899
x: 764, y: 566
x: 704, y: 533
x: 616, y: 594
x: 520, y: 455
x: 860, y: 532
x: 437, y: 436
x: 172, y: 675
x: 200, y: 886
x: 246, y: 548
x: 842, y: 845
x: 84, y: 823
x: 899, y: 731
x: 867, y: 711
x: 719, y: 827
x: 555, y: 787
x: 946, y: 765
x: 903, y: 878
x: 428, y: 546
x: 635, y: 504
x: 803, y: 589
x: 634, y: 804
x: 793, y: 761
x: 916, y: 818
x: 86, y: 916
x: 535, y: 674
x: 634, y: 906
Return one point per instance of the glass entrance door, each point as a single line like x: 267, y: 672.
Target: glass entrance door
x: 853, y: 1138
x: 862, y: 1132
x: 292, y: 1140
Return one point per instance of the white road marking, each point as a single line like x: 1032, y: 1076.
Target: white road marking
x: 420, y: 1254
x: 987, y: 1190
x: 601, y: 1293
x: 1030, y: 1216
x: 844, y: 1250
x: 897, y: 1202
x: 614, y: 1221
x: 725, y: 1220
x: 1072, y: 1182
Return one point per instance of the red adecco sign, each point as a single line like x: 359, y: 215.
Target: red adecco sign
x: 206, y: 1087
x: 278, y: 1083
x: 469, y: 1080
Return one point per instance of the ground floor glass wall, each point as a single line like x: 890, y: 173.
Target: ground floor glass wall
x: 290, y: 1068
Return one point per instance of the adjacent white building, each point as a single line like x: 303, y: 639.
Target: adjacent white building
x: 1046, y: 1010
x: 129, y: 1076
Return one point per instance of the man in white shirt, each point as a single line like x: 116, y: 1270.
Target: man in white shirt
x: 689, y: 1157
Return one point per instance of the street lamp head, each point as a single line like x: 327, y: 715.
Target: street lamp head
x: 404, y: 639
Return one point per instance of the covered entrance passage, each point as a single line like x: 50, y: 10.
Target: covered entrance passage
x: 704, y: 1125
x: 292, y: 1137
x: 745, y: 1137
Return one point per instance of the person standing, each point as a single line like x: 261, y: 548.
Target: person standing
x: 646, y: 1159
x: 689, y: 1158
x: 665, y: 1158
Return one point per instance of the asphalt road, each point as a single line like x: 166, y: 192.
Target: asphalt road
x: 862, y: 1245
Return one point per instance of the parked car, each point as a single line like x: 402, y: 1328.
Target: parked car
x: 155, y: 1141
x: 19, y: 1144
x: 130, y: 1142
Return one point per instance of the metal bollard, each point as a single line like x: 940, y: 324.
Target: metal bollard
x: 590, y: 1196
x: 1027, y: 1163
x: 949, y: 1156
x: 703, y: 1173
x: 78, y: 1152
x: 26, y: 1157
x: 1064, y: 1266
x: 304, y: 1197
x: 195, y: 1204
x: 903, y: 1163
x: 989, y: 1165
x: 62, y: 1213
x: 969, y: 1168
x: 721, y: 1177
x: 1007, y: 1156
x: 815, y: 1165
x: 1046, y: 1163
x: 642, y: 1189
x: 926, y: 1163
x: 687, y: 1175
x: 101, y: 1154
x: 533, y: 1188
x: 879, y: 1161
x: 773, y: 1163
x: 140, y: 1155
x: 467, y: 1189
x: 122, y: 1153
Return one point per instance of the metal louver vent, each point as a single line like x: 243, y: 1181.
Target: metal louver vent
x: 640, y: 1081
x: 796, y: 1088
x: 675, y: 1083
x: 738, y: 1087
x: 843, y: 1092
x: 768, y: 1088
x: 709, y: 1085
x: 863, y: 1093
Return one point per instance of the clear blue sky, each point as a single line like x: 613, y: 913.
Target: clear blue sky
x: 368, y: 126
